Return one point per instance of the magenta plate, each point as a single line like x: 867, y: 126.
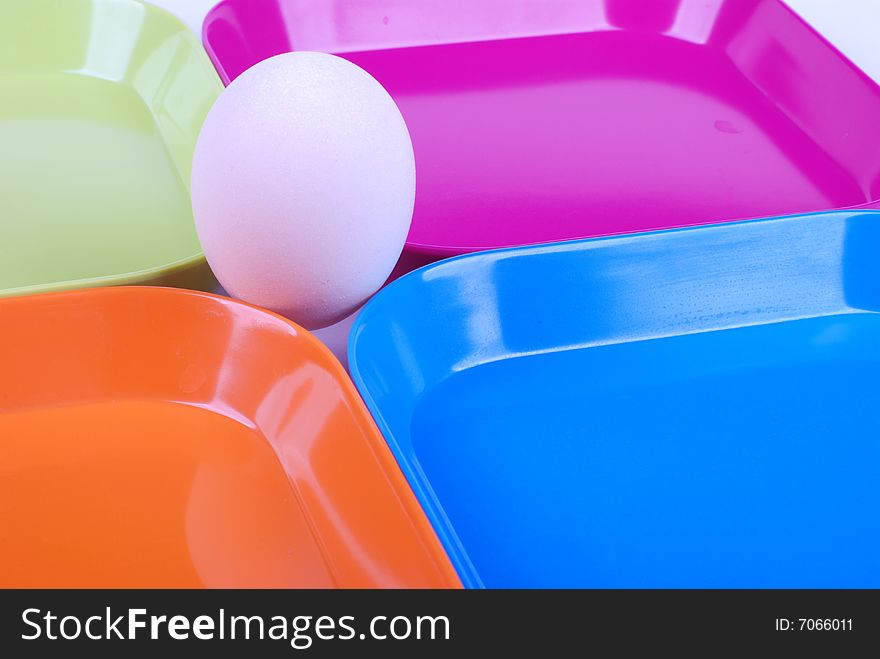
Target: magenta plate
x: 544, y: 120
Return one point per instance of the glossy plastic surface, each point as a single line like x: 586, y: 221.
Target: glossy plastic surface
x: 101, y: 102
x: 153, y: 437
x: 692, y: 408
x: 536, y: 120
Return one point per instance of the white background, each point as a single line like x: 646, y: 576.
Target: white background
x: 853, y: 26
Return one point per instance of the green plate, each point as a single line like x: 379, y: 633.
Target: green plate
x: 101, y: 102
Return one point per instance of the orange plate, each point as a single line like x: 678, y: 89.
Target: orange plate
x: 163, y: 438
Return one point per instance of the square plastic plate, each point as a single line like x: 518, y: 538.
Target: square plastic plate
x: 151, y: 437
x: 691, y: 408
x: 537, y: 120
x: 101, y: 102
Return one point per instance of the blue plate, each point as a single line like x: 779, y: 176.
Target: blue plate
x: 691, y: 408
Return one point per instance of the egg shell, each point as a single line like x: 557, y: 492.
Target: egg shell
x: 303, y: 185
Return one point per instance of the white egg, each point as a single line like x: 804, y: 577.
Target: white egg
x: 303, y: 185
